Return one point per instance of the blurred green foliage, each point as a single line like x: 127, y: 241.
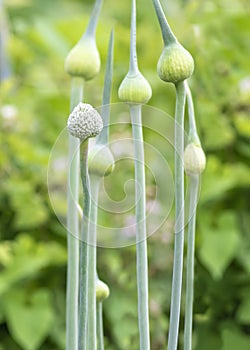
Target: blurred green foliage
x: 34, y: 107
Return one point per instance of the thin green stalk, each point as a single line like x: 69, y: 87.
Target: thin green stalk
x: 84, y: 252
x: 102, y: 138
x: 100, y: 340
x: 135, y: 90
x: 84, y: 264
x: 194, y: 186
x: 141, y: 232
x: 91, y: 241
x: 73, y: 227
x: 192, y: 134
x: 179, y: 218
x: 190, y: 105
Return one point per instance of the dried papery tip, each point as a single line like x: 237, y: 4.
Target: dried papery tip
x: 100, y: 161
x: 83, y: 60
x: 194, y: 159
x: 84, y: 122
x: 175, y: 64
x: 102, y: 291
x: 135, y: 89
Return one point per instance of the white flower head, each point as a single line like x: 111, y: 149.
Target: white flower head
x: 84, y: 122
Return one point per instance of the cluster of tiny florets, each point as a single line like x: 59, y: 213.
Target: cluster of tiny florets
x: 84, y: 122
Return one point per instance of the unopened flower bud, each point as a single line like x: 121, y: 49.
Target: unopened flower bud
x: 194, y: 159
x: 175, y: 64
x: 102, y: 291
x: 100, y: 161
x: 83, y: 60
x: 135, y: 89
x: 84, y: 122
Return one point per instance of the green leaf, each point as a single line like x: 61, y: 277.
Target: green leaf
x: 233, y: 339
x: 29, y: 317
x: 219, y: 242
x: 219, y: 178
x: 122, y: 317
x: 28, y: 205
x: 242, y: 124
x: 1, y: 312
x: 27, y: 258
x: 5, y: 253
x: 57, y: 332
x: 221, y: 133
x: 243, y: 313
x: 207, y: 338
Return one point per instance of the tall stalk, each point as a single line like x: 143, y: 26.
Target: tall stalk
x: 84, y: 253
x: 175, y: 65
x: 194, y: 186
x: 84, y: 122
x: 82, y: 61
x: 141, y: 232
x: 103, y: 137
x: 91, y: 271
x: 73, y: 227
x: 194, y: 163
x: 102, y: 140
x: 136, y: 91
x: 100, y: 337
x: 96, y: 162
x: 179, y: 218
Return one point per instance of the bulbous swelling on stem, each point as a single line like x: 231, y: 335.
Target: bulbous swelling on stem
x: 84, y: 122
x: 83, y: 60
x: 175, y: 64
x: 194, y: 159
x: 135, y: 89
x: 100, y: 161
x: 102, y: 291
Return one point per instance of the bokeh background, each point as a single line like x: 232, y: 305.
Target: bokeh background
x: 34, y: 104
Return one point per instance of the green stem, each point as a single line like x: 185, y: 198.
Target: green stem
x: 92, y: 329
x: 141, y: 234
x: 103, y: 137
x: 73, y: 227
x: 167, y: 34
x: 194, y: 186
x: 84, y: 252
x: 179, y: 218
x: 193, y: 135
x: 100, y: 340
